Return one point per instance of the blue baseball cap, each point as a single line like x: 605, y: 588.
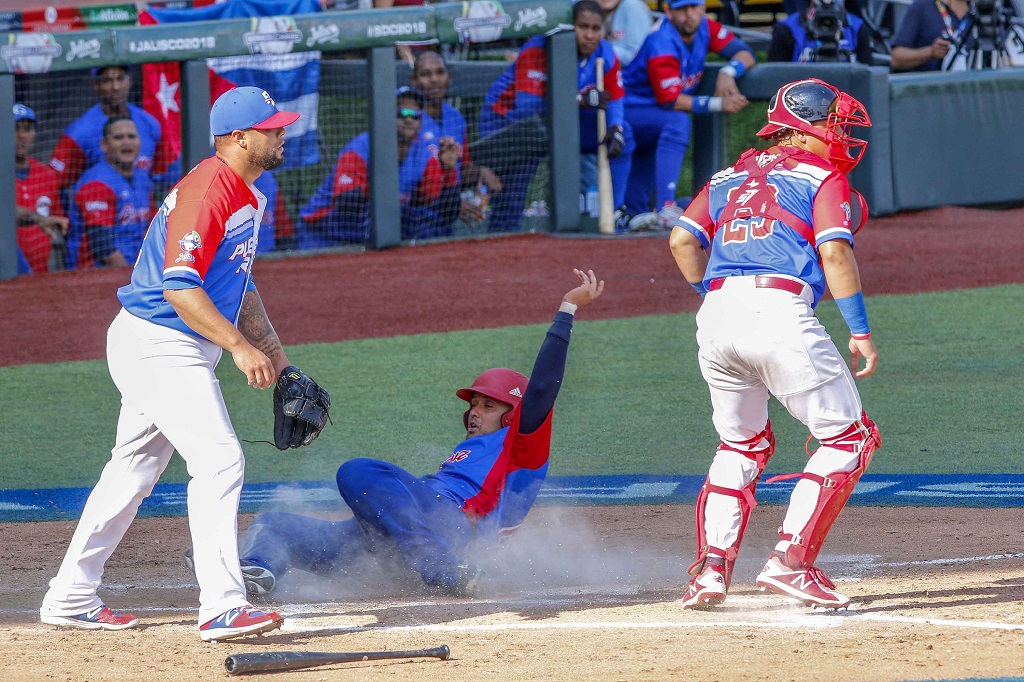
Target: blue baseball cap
x: 409, y: 91
x: 97, y: 69
x: 247, y: 107
x: 24, y: 113
x: 676, y: 4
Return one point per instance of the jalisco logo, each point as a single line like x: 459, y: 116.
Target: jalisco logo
x: 323, y: 33
x: 172, y: 44
x: 531, y: 16
x: 30, y: 52
x: 272, y: 35
x: 404, y: 28
x: 83, y: 49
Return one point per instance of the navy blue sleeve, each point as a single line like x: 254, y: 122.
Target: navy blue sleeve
x: 733, y: 47
x: 546, y: 378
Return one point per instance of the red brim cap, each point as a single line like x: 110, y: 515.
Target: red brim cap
x: 279, y: 120
x: 769, y: 130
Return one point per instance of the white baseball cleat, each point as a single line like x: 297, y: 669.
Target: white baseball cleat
x: 811, y: 585
x: 707, y: 589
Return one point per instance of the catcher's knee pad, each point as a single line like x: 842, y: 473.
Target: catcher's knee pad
x: 758, y: 451
x: 862, y: 438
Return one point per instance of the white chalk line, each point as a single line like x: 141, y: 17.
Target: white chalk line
x: 978, y: 624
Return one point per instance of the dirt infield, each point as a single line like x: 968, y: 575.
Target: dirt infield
x: 596, y: 600
x: 939, y: 593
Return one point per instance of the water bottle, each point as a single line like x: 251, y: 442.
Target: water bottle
x: 593, y: 202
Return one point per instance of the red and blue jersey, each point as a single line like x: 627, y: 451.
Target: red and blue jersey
x: 112, y: 210
x: 752, y: 242
x: 474, y: 475
x: 420, y: 182
x: 520, y: 90
x: 205, y: 234
x: 452, y: 124
x: 36, y: 189
x: 666, y: 67
x: 79, y: 147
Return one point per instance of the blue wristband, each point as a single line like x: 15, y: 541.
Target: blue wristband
x: 853, y: 311
x: 739, y: 67
x: 699, y: 288
x: 706, y: 105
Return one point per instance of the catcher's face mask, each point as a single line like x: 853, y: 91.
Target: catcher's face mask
x: 799, y: 105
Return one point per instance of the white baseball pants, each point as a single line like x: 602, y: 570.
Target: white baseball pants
x: 754, y: 342
x: 170, y: 400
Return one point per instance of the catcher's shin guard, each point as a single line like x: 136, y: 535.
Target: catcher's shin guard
x: 862, y: 437
x: 758, y: 449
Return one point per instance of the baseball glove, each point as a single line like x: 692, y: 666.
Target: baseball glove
x: 301, y: 409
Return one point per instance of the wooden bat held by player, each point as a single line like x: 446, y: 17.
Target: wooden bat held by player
x: 606, y: 217
x: 276, y: 661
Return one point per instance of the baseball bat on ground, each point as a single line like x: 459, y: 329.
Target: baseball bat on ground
x: 606, y: 203
x: 276, y: 661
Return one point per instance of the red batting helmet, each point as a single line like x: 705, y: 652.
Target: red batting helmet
x: 800, y: 104
x: 506, y: 385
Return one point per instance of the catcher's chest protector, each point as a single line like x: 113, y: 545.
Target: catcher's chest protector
x: 755, y: 197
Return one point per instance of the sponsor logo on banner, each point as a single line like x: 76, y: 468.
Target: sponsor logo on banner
x: 30, y: 52
x: 321, y: 34
x: 530, y: 17
x: 272, y: 35
x: 83, y: 49
x: 172, y: 45
x: 110, y: 15
x: 481, y: 22
x: 404, y: 28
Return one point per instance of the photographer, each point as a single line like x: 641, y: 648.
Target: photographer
x: 822, y: 32
x: 928, y: 33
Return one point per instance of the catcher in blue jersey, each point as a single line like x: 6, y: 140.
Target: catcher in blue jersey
x: 481, y: 492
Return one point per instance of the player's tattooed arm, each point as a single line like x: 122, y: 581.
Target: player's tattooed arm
x: 255, y: 326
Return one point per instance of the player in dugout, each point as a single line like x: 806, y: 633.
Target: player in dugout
x: 661, y: 84
x: 428, y: 525
x: 339, y: 212
x: 112, y: 202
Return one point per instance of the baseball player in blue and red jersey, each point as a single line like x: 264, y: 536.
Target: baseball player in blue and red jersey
x: 660, y: 82
x: 430, y: 75
x: 759, y: 242
x: 481, y: 492
x: 79, y: 147
x: 191, y: 297
x: 41, y: 221
x: 519, y: 93
x: 428, y: 181
x: 111, y: 202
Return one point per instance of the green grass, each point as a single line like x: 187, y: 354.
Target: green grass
x: 947, y: 398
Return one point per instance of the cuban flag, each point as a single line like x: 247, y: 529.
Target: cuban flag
x: 292, y: 78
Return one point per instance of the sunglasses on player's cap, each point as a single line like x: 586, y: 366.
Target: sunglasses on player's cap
x: 245, y: 108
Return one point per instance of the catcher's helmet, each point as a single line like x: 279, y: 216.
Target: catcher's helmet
x: 499, y: 383
x: 800, y: 104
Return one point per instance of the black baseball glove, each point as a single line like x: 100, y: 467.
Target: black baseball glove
x: 616, y: 141
x: 301, y: 409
